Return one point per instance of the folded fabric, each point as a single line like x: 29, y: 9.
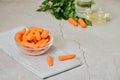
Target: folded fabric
x: 36, y: 64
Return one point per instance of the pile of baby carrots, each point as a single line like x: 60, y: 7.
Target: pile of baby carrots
x: 33, y: 37
x: 80, y: 22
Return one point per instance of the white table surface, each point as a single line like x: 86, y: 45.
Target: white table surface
x: 101, y: 43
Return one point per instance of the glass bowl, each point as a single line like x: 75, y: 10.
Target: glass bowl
x: 37, y: 50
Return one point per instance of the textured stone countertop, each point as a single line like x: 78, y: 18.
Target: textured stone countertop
x: 101, y: 43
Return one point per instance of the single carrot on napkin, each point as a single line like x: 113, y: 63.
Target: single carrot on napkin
x: 66, y: 57
x: 49, y: 60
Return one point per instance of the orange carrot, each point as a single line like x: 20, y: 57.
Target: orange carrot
x: 49, y: 60
x: 30, y: 36
x: 23, y: 31
x: 37, y: 35
x: 28, y: 44
x: 32, y: 28
x: 18, y: 37
x: 66, y: 57
x: 44, y: 34
x: 72, y: 21
x: 40, y: 42
x: 48, y: 38
x: 82, y: 23
x: 39, y: 29
x: 24, y: 37
x: 44, y: 43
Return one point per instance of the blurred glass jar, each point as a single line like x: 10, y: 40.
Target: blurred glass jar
x: 98, y: 15
x: 83, y: 6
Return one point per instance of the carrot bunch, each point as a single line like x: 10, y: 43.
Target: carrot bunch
x: 76, y: 23
x: 32, y: 37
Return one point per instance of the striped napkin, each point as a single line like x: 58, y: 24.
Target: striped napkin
x: 36, y: 64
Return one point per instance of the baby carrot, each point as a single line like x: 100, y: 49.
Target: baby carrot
x: 44, y: 43
x: 72, y: 21
x: 44, y: 34
x: 31, y: 28
x: 40, y: 42
x: 23, y: 31
x: 34, y: 40
x: 28, y: 44
x: 40, y: 30
x: 66, y: 57
x: 48, y: 38
x: 49, y: 60
x: 24, y: 37
x: 82, y: 23
x: 18, y: 37
x: 30, y: 36
x: 37, y: 35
